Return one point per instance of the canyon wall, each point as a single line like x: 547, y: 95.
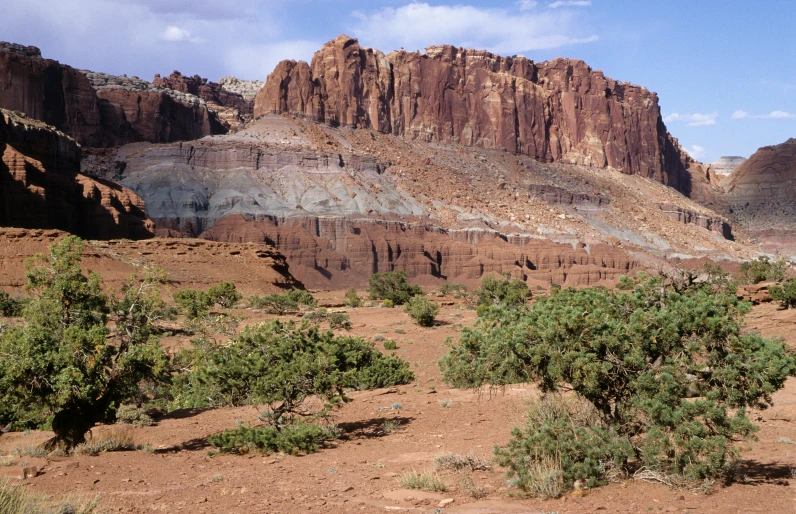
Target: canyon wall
x: 40, y: 186
x: 97, y: 116
x: 560, y: 110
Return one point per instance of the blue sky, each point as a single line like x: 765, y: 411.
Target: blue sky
x: 724, y: 71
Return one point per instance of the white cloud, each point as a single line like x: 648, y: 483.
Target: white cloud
x: 696, y: 151
x: 773, y: 115
x: 569, y: 3
x: 527, y: 5
x: 693, y: 120
x: 174, y: 34
x: 260, y: 60
x: 417, y: 25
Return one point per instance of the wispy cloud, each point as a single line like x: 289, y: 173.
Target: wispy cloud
x: 773, y: 115
x: 174, y: 34
x: 527, y: 5
x: 417, y: 25
x: 569, y: 3
x: 693, y: 120
x: 696, y: 151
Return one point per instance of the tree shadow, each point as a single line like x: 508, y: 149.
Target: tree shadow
x: 371, y: 428
x: 184, y: 413
x: 196, y: 444
x: 752, y: 472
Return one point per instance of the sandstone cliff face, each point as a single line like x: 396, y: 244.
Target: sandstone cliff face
x: 769, y: 175
x: 40, y: 186
x: 208, y: 91
x: 560, y: 110
x: 94, y: 116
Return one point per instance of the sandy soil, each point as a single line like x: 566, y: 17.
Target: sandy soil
x: 359, y: 473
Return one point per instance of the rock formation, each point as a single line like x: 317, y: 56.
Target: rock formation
x: 98, y: 110
x: 726, y: 164
x: 40, y: 186
x: 248, y: 89
x: 560, y: 110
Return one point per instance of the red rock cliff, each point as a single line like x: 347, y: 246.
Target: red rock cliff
x: 560, y: 110
x: 41, y: 188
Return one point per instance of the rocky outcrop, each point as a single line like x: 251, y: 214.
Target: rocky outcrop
x: 769, y: 175
x: 559, y: 196
x: 98, y: 110
x: 713, y: 223
x: 726, y: 164
x: 560, y: 110
x: 210, y: 92
x: 340, y: 252
x: 40, y: 186
x: 248, y: 89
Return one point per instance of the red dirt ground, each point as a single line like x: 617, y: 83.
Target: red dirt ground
x: 359, y: 473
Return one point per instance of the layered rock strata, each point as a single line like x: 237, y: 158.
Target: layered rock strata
x: 560, y: 110
x: 117, y: 111
x: 726, y: 164
x: 40, y: 186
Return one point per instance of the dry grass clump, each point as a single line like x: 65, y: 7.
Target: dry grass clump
x: 14, y: 499
x: 118, y: 439
x: 457, y: 462
x: 30, y: 451
x: 544, y: 478
x: 427, y: 481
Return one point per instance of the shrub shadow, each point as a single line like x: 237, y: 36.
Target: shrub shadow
x: 752, y: 472
x: 370, y: 428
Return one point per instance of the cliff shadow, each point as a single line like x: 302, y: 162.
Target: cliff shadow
x: 19, y: 205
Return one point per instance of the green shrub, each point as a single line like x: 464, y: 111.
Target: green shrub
x: 388, y: 303
x: 668, y: 368
x: 193, y: 304
x: 563, y: 440
x: 502, y: 291
x: 422, y: 310
x: 393, y: 286
x: 224, y: 294
x: 456, y: 290
x: 80, y: 352
x: 335, y: 319
x: 762, y: 269
x: 292, y: 439
x: 283, y: 303
x: 9, y: 307
x: 786, y: 294
x: 389, y: 344
x: 281, y: 365
x: 132, y: 415
x: 352, y: 299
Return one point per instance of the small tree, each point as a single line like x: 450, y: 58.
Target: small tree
x: 66, y: 364
x: 224, y: 294
x: 352, y: 299
x: 422, y: 310
x: 10, y: 307
x: 762, y: 269
x: 666, y: 366
x: 502, y: 291
x: 786, y: 294
x: 392, y: 285
x: 194, y: 304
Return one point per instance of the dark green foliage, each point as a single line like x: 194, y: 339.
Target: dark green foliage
x: 639, y: 357
x: 283, y: 303
x: 281, y: 365
x: 502, y: 291
x: 224, y: 294
x: 352, y: 299
x: 66, y: 367
x: 393, y: 286
x: 335, y: 319
x: 786, y: 294
x: 292, y: 439
x: 762, y: 269
x: 193, y: 304
x: 9, y: 307
x: 569, y: 438
x: 422, y: 310
x: 455, y: 290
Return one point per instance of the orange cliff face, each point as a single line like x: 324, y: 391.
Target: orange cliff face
x: 40, y: 186
x: 560, y: 111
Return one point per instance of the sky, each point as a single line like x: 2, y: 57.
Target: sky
x: 724, y: 71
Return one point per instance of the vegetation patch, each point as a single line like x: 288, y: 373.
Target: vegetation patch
x: 392, y: 286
